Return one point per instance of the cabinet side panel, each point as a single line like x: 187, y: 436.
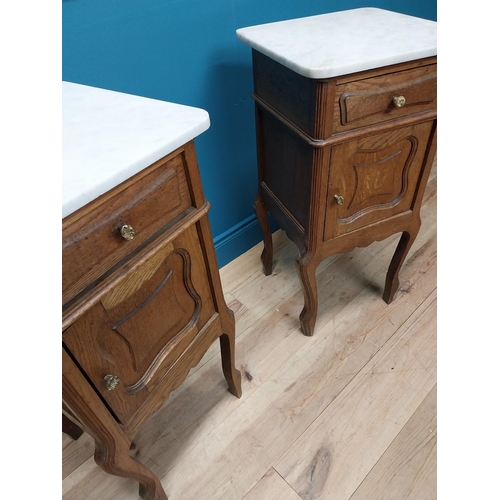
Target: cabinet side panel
x: 287, y: 171
x: 292, y: 95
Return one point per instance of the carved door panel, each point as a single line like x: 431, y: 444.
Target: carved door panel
x: 373, y: 178
x: 139, y: 328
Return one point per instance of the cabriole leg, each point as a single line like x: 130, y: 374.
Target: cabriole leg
x: 227, y: 347
x: 392, y: 279
x: 306, y: 266
x: 111, y: 443
x: 112, y: 456
x: 267, y: 254
x: 70, y: 428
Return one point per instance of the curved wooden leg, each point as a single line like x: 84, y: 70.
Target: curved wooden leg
x: 112, y: 444
x: 227, y: 343
x: 70, y: 428
x: 112, y: 456
x: 306, y: 267
x: 392, y: 279
x: 267, y: 254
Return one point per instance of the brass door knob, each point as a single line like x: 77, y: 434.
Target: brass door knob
x: 338, y: 199
x: 127, y: 232
x: 399, y: 101
x: 111, y: 381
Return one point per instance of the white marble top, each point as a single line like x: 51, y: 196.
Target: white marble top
x: 109, y: 136
x: 343, y: 42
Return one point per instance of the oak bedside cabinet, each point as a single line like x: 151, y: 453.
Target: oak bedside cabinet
x: 142, y: 298
x: 346, y: 134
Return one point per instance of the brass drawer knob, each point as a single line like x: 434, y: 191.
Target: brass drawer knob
x: 111, y: 381
x: 399, y: 101
x: 127, y: 232
x: 338, y: 199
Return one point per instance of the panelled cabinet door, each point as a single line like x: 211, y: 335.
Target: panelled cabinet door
x: 374, y: 177
x: 132, y: 336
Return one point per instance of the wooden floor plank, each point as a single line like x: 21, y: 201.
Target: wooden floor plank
x: 203, y: 402
x: 258, y: 357
x: 241, y: 273
x: 90, y: 482
x: 227, y: 461
x: 407, y: 470
x: 74, y: 453
x: 272, y: 487
x: 343, y: 444
x: 207, y: 445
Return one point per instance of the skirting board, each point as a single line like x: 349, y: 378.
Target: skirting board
x: 238, y: 239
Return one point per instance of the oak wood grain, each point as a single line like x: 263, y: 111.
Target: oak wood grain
x: 142, y: 313
x: 342, y: 445
x: 340, y: 165
x: 74, y: 453
x: 370, y: 100
x: 272, y: 486
x: 408, y: 468
x: 271, y: 416
x: 92, y: 243
x: 205, y: 444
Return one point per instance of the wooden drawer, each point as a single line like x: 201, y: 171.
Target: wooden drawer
x: 370, y: 100
x: 92, y: 243
x: 140, y: 327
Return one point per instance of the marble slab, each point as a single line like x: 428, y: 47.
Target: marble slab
x: 343, y: 42
x: 107, y: 137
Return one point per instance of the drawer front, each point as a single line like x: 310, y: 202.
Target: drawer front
x: 371, y: 100
x: 374, y: 178
x: 142, y: 325
x: 93, y: 244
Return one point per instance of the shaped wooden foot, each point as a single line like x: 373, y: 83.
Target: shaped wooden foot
x: 112, y: 456
x: 267, y: 253
x: 392, y: 279
x: 111, y: 443
x: 70, y: 428
x: 232, y: 375
x: 306, y: 267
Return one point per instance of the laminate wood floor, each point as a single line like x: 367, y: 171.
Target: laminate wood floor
x: 348, y: 414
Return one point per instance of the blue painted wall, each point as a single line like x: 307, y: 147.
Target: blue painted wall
x: 186, y: 51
